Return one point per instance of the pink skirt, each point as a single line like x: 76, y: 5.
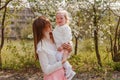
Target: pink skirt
x: 57, y: 75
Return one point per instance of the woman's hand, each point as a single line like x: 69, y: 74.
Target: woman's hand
x: 67, y: 46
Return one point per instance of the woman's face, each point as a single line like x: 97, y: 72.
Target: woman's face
x: 47, y: 29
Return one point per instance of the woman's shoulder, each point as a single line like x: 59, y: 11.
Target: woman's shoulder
x: 42, y: 46
x: 39, y: 46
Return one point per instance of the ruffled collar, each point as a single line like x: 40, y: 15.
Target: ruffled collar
x: 62, y: 26
x: 44, y: 45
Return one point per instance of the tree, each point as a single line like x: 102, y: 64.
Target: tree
x: 95, y: 11
x: 115, y: 42
x: 44, y: 7
x: 87, y: 17
x: 2, y: 26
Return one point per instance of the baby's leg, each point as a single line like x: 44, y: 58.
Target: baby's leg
x: 69, y: 72
x: 67, y: 65
x: 66, y: 53
x: 67, y: 68
x: 61, y: 54
x: 72, y: 74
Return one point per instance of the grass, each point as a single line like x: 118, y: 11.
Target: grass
x: 19, y: 54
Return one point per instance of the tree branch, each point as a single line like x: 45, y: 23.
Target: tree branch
x: 5, y: 4
x: 0, y: 3
x: 100, y: 16
x: 2, y: 32
x: 114, y: 12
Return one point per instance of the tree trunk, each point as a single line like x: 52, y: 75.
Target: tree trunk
x: 115, y: 40
x: 76, y: 45
x: 2, y: 35
x: 96, y: 36
x: 116, y: 53
x: 0, y: 3
x: 96, y: 47
x: 111, y: 48
x: 119, y: 40
x: 110, y: 36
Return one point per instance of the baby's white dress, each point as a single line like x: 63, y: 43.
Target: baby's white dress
x: 63, y: 34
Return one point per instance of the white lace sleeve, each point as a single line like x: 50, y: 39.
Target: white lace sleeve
x: 46, y: 67
x: 44, y: 62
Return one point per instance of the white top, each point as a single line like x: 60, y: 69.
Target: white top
x: 46, y: 53
x: 62, y: 34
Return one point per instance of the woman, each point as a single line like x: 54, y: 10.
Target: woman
x: 46, y: 50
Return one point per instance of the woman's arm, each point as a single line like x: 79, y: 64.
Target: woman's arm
x: 46, y: 67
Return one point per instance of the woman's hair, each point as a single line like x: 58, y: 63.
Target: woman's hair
x: 39, y: 25
x: 65, y: 13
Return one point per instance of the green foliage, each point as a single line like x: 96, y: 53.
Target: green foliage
x: 18, y: 55
x: 86, y: 45
x: 86, y: 60
x: 26, y: 31
x: 116, y: 66
x: 7, y: 31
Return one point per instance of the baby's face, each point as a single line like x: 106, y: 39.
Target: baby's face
x: 60, y: 19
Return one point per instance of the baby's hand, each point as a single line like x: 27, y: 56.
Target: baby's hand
x: 60, y: 48
x: 67, y: 46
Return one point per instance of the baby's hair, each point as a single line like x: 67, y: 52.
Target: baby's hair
x: 65, y: 13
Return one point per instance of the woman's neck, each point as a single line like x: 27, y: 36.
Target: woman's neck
x: 47, y: 38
